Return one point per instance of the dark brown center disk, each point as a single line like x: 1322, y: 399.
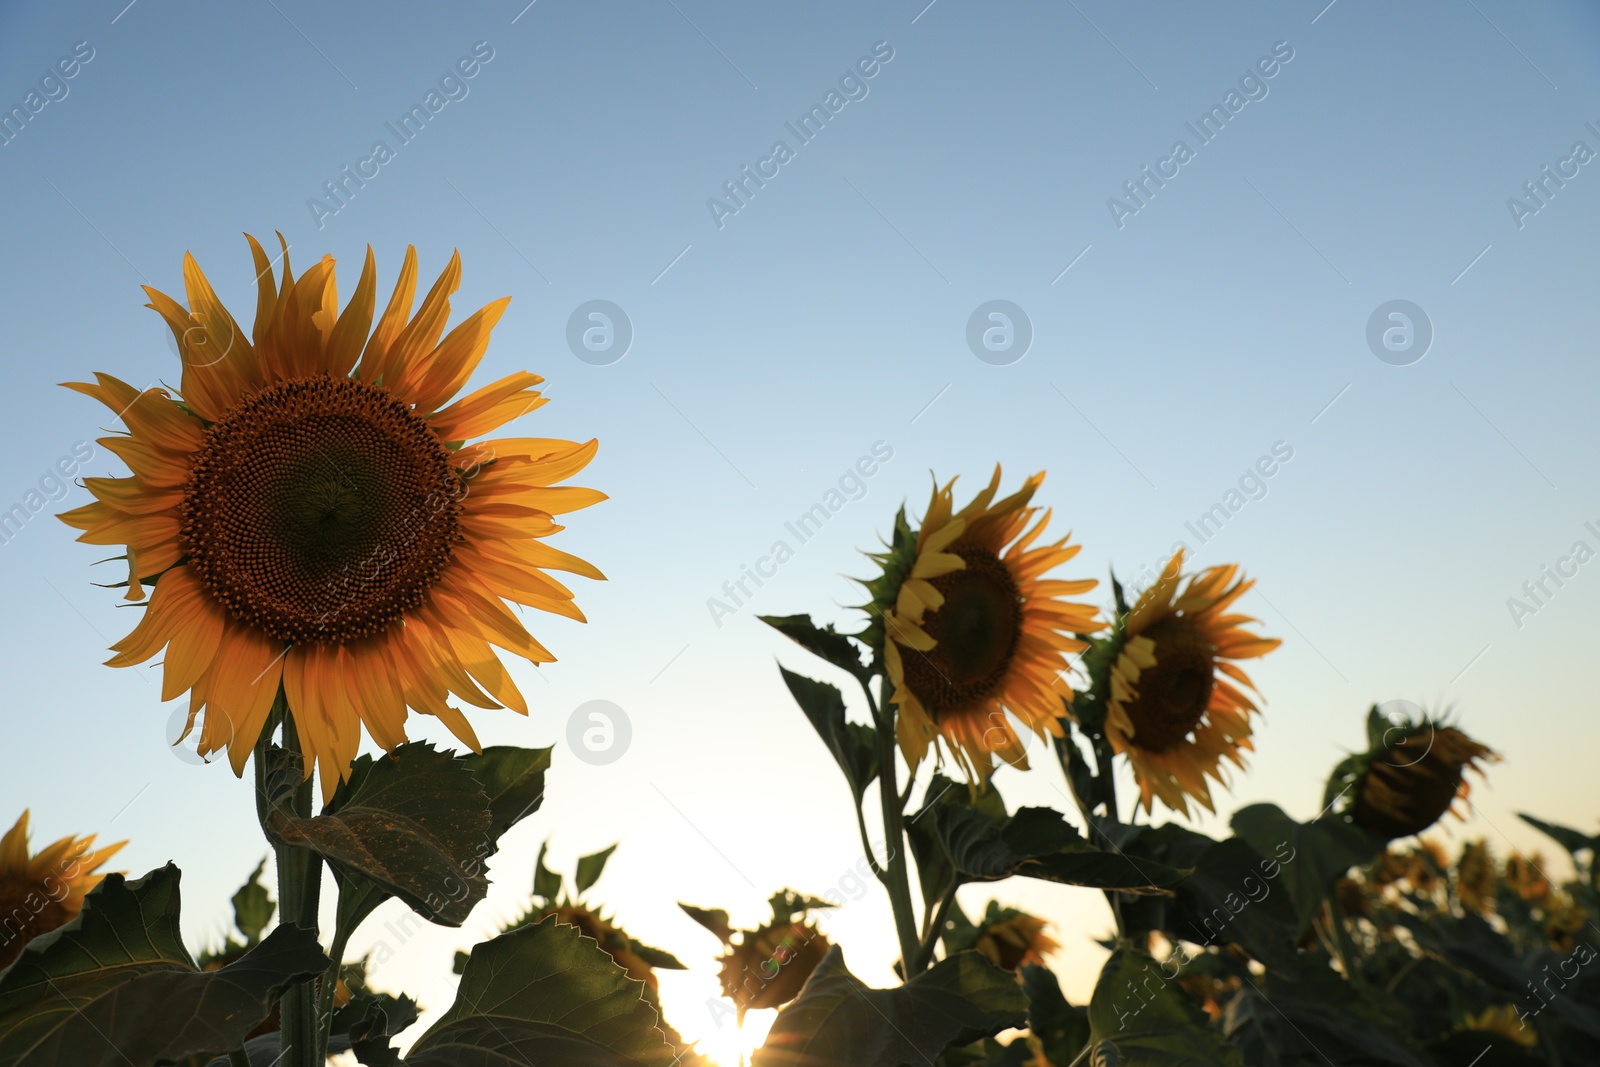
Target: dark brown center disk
x: 1174, y: 694
x: 977, y: 629
x: 321, y: 510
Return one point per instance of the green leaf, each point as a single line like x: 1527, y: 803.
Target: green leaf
x: 823, y: 641
x: 933, y: 864
x: 1571, y: 840
x: 713, y: 919
x: 1320, y: 1018
x: 837, y: 1020
x: 543, y: 994
x: 1139, y: 1017
x: 416, y: 824
x: 854, y: 747
x: 513, y: 778
x: 589, y: 868
x: 1062, y: 1029
x: 659, y: 958
x: 786, y: 904
x: 253, y: 907
x: 115, y: 987
x: 1234, y: 896
x: 1040, y: 843
x: 1312, y: 854
x: 546, y: 883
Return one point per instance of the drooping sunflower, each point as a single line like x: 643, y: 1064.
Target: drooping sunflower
x: 310, y: 514
x: 45, y: 890
x: 1408, y: 778
x: 1009, y: 938
x: 1178, y: 702
x: 769, y: 966
x: 971, y: 630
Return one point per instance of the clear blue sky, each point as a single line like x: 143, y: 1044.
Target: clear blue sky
x: 830, y: 312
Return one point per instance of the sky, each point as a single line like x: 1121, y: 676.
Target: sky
x: 1157, y: 341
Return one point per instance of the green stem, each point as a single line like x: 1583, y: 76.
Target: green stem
x: 935, y: 928
x: 330, y: 986
x: 299, y: 887
x: 1348, y: 956
x: 239, y: 1058
x: 866, y: 844
x: 899, y: 882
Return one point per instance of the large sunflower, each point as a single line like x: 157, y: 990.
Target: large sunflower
x: 310, y: 515
x: 41, y: 892
x: 1178, y: 705
x: 971, y: 630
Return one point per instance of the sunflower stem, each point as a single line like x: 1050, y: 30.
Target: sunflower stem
x: 866, y: 845
x: 935, y: 928
x: 1348, y: 956
x: 899, y: 883
x: 299, y: 889
x: 329, y: 989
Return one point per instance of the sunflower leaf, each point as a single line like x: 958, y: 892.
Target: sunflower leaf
x: 1312, y: 854
x: 713, y: 919
x: 934, y: 869
x: 513, y: 778
x: 853, y: 746
x: 823, y: 641
x: 1573, y: 841
x: 1062, y: 1029
x: 115, y: 987
x: 589, y: 868
x: 1139, y: 1017
x: 415, y: 824
x: 541, y: 994
x: 837, y: 1020
x: 253, y: 908
x: 546, y: 883
x: 1040, y: 843
x: 1318, y: 1017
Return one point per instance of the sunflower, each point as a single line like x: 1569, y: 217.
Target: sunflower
x: 1409, y: 778
x: 970, y: 629
x: 1564, y: 917
x: 1013, y: 938
x: 1502, y: 1019
x: 41, y: 892
x: 1178, y: 704
x: 1476, y: 877
x: 769, y: 966
x: 1525, y: 875
x: 312, y: 519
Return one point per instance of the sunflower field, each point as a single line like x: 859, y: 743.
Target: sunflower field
x: 320, y: 536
